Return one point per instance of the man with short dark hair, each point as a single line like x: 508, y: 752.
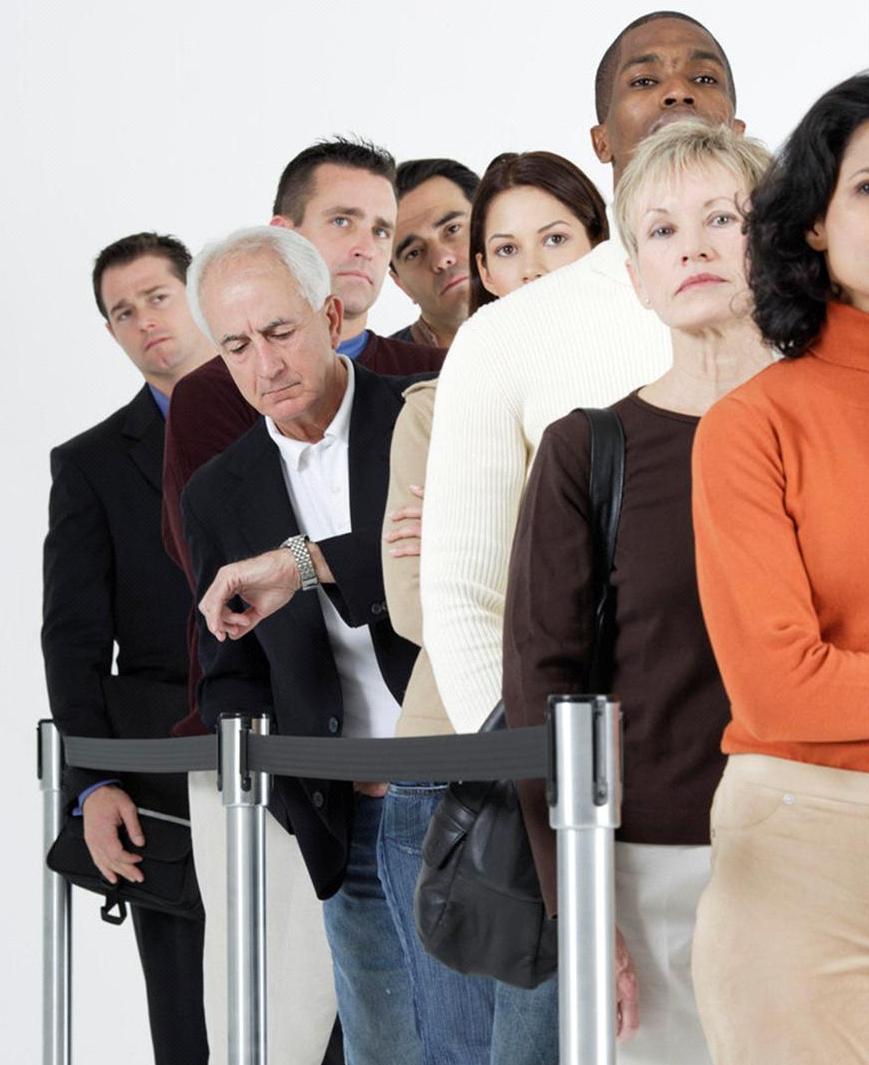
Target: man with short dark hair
x: 430, y: 258
x: 339, y: 194
x: 575, y: 338
x: 109, y: 583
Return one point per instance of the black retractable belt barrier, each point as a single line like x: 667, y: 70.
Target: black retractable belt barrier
x: 513, y: 754
x: 247, y: 756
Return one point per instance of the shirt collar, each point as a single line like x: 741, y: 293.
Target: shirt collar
x: 354, y: 347
x: 337, y: 431
x: 160, y: 399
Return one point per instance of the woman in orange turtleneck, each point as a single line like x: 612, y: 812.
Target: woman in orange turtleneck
x: 781, y: 513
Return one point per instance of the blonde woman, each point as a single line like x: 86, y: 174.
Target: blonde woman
x: 679, y: 208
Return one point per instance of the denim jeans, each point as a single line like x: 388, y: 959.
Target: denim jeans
x: 454, y: 1013
x: 372, y: 982
x: 462, y: 1020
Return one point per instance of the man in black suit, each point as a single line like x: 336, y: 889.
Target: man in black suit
x: 310, y: 476
x: 109, y: 583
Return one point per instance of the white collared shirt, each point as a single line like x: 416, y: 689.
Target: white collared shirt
x: 317, y: 477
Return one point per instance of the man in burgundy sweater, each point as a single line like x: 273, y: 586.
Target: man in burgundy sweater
x: 340, y: 194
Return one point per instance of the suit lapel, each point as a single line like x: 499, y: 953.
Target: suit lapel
x: 260, y: 509
x: 259, y: 502
x: 143, y: 431
x: 375, y: 408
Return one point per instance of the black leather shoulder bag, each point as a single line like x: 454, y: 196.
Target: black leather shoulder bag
x: 478, y: 905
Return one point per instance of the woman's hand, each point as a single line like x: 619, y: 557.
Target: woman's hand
x: 408, y: 536
x: 627, y: 1014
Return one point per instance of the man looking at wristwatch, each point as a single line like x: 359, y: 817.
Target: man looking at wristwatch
x: 310, y: 476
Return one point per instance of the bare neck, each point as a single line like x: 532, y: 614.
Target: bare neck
x: 443, y: 330
x: 707, y: 365
x: 352, y: 327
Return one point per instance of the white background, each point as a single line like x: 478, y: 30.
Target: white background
x: 179, y: 117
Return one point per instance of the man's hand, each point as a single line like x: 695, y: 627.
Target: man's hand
x: 265, y: 583
x: 373, y: 791
x: 407, y: 537
x: 627, y: 1014
x: 104, y: 811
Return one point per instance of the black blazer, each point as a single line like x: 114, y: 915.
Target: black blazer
x: 109, y: 582
x: 237, y: 506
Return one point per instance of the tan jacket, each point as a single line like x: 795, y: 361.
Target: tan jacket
x: 422, y: 712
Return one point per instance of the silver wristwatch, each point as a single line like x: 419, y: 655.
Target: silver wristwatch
x: 298, y: 548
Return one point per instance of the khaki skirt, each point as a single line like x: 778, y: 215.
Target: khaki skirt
x: 781, y: 946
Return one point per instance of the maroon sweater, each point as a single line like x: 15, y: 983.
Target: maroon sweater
x: 207, y: 414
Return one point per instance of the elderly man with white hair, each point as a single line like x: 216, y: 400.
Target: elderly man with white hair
x: 304, y: 490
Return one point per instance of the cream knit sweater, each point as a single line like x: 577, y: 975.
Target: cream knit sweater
x: 577, y: 337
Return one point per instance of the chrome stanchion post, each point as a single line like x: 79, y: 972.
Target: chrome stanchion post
x: 56, y: 1029
x: 585, y: 810
x: 245, y: 797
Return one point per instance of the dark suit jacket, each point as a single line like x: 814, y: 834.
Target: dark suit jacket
x: 108, y: 581
x: 236, y: 506
x: 207, y: 414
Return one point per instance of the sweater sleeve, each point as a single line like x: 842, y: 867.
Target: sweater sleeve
x: 474, y: 481
x: 407, y: 462
x: 548, y: 625
x: 786, y: 682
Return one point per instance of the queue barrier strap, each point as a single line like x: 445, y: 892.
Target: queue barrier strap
x: 511, y: 754
x: 578, y: 754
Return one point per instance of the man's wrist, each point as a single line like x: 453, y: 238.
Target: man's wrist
x: 86, y: 794
x: 324, y: 573
x: 298, y: 547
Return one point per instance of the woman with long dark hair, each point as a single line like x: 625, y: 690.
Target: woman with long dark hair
x: 781, y: 502
x: 532, y: 213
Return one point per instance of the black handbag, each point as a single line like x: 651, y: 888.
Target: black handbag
x: 140, y: 708
x: 478, y: 905
x: 170, y: 884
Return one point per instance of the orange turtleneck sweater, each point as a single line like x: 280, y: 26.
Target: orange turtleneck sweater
x: 781, y: 518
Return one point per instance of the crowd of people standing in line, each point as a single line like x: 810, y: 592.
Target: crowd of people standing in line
x: 415, y: 540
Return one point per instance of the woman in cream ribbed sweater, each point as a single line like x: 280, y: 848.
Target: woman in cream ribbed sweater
x: 781, y: 502
x: 463, y: 1020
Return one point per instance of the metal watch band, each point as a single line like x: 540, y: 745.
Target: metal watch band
x: 298, y: 548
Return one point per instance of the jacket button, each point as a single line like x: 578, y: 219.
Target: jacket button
x: 334, y: 725
x: 378, y: 608
x: 318, y: 799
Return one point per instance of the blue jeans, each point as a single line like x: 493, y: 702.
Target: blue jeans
x: 462, y: 1020
x: 454, y: 1013
x: 372, y: 982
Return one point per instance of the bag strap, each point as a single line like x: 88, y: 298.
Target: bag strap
x: 606, y: 482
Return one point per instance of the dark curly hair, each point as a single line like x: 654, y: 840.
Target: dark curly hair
x: 789, y: 280
x: 541, y: 170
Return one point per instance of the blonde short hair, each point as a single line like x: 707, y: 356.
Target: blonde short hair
x: 681, y: 146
